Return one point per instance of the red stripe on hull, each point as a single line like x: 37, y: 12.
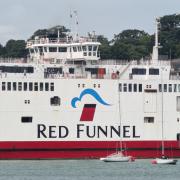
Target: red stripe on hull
x: 84, y: 149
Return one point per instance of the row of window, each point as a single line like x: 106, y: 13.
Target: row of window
x: 169, y: 87
x: 142, y: 71
x: 63, y: 49
x: 17, y: 69
x: 27, y: 86
x: 138, y: 87
x: 130, y: 87
x: 96, y: 70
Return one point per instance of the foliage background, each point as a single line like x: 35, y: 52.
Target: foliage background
x: 128, y: 44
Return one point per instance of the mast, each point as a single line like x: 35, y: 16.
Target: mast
x: 155, y: 54
x: 162, y: 114
x: 76, y: 25
x: 119, y: 112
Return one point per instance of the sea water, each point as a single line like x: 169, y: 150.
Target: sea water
x: 85, y: 170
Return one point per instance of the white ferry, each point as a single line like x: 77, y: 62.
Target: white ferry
x: 65, y: 102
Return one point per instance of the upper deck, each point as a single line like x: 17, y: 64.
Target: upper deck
x: 102, y: 69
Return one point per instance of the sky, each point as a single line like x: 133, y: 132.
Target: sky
x: 19, y: 19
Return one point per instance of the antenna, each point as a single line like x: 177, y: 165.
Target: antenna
x: 76, y: 25
x: 70, y: 23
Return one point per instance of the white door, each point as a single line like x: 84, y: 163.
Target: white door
x: 150, y: 102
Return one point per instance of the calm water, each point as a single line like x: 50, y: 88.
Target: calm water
x: 86, y: 169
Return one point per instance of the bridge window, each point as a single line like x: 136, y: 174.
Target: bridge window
x: 89, y: 48
x: 52, y: 49
x: 153, y: 71
x: 62, y: 49
x: 138, y: 71
x: 36, y: 49
x: 75, y: 49
x: 31, y: 51
x: 94, y: 48
x: 84, y: 48
x: 79, y: 48
x: 40, y: 49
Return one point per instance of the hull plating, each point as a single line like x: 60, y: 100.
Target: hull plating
x: 84, y: 149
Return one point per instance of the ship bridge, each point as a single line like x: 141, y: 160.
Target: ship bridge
x: 63, y: 49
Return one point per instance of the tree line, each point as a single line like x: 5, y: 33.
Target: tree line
x: 128, y: 44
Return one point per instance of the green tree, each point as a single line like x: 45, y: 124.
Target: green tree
x: 105, y: 49
x: 131, y: 44
x: 170, y: 35
x: 2, y: 51
x: 15, y: 49
x: 51, y: 32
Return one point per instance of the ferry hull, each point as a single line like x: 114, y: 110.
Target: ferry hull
x: 84, y: 149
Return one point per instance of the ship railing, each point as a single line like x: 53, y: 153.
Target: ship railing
x: 132, y: 62
x: 13, y: 60
x: 113, y: 76
x: 66, y: 40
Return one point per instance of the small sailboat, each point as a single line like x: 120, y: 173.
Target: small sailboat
x: 164, y: 160
x: 118, y: 156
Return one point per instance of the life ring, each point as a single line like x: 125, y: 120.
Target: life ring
x: 113, y: 75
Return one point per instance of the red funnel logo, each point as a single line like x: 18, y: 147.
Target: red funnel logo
x: 88, y: 112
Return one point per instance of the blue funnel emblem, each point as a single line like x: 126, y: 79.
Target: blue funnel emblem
x: 91, y: 92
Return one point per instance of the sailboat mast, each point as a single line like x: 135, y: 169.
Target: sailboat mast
x: 119, y: 112
x: 162, y: 114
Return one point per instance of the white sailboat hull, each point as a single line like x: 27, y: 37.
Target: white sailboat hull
x: 164, y: 161
x: 117, y: 157
x: 120, y: 159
